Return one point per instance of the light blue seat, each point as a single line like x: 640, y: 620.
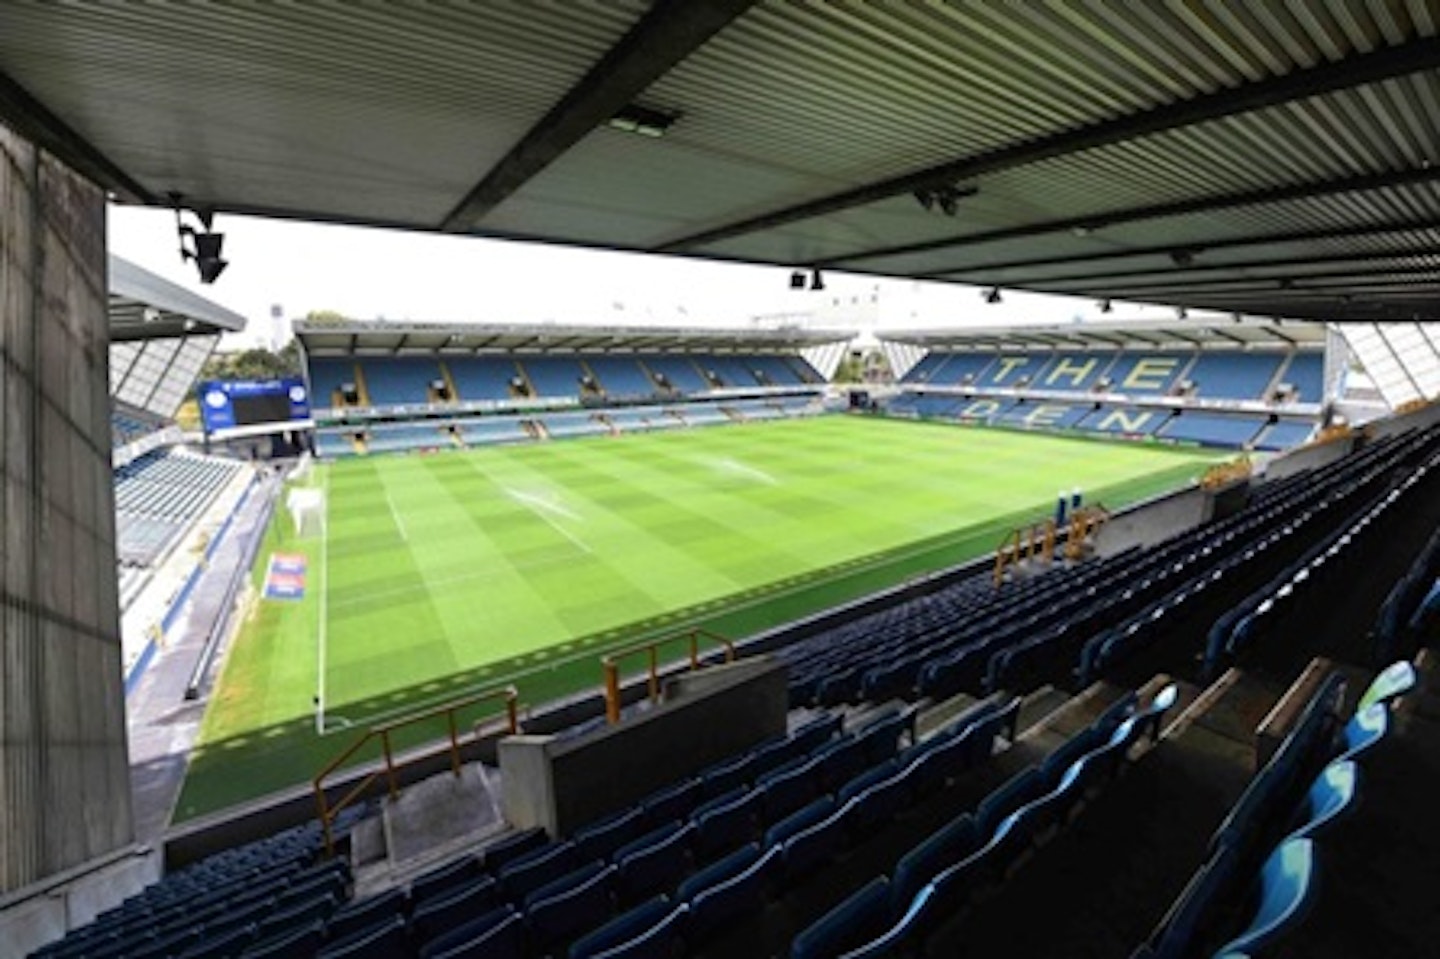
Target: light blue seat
x: 1364, y: 730
x: 1331, y: 795
x: 1287, y: 881
x: 1393, y: 681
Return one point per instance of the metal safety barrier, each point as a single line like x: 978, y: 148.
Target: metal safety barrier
x: 610, y: 664
x: 384, y: 733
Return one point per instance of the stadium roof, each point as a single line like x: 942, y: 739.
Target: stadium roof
x: 1262, y: 157
x: 402, y: 338
x: 1133, y: 335
x: 161, y: 335
x: 144, y: 306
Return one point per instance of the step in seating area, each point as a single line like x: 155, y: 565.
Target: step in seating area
x: 159, y: 495
x: 1265, y: 856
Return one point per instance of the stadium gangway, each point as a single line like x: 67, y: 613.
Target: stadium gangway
x: 610, y: 663
x: 449, y: 710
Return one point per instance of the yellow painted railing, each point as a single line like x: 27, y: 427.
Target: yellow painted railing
x: 610, y: 664
x: 385, y: 734
x: 1036, y: 540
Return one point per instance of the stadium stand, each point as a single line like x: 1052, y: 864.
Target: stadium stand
x: 1259, y: 391
x: 127, y: 427
x: 158, y: 495
x: 482, y: 377
x: 510, y: 393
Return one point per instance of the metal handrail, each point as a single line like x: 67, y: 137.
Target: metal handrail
x: 611, y: 668
x: 330, y: 811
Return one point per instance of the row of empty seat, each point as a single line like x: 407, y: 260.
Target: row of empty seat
x: 411, y: 381
x: 336, y: 441
x: 1203, y: 426
x: 1261, y: 868
x: 128, y: 427
x: 265, y: 899
x: 158, y: 496
x: 1074, y: 623
x: 1217, y: 374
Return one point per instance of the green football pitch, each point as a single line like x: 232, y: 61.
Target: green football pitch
x: 440, y: 574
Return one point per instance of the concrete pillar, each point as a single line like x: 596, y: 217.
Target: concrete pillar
x: 64, y: 774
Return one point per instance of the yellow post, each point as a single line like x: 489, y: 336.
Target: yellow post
x: 454, y: 744
x: 512, y: 713
x: 390, y: 766
x: 612, y: 692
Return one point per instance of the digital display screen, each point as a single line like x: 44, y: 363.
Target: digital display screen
x: 231, y: 404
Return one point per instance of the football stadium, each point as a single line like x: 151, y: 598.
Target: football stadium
x: 837, y: 633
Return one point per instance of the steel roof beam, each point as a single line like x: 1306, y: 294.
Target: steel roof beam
x: 666, y: 35
x: 1172, y: 270
x: 1406, y: 58
x: 1204, y: 204
x: 33, y: 120
x: 1198, y: 247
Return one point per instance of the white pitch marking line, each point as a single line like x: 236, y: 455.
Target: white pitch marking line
x: 395, y: 514
x: 735, y: 466
x: 542, y: 508
x: 324, y: 599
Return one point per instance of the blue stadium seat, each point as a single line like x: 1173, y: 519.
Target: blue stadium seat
x: 1015, y: 792
x: 384, y: 940
x: 362, y: 913
x: 441, y: 913
x: 1390, y: 683
x: 297, y: 943
x: 512, y: 847
x: 672, y: 802
x: 521, y: 876
x: 623, y: 928
x: 864, y: 915
x: 718, y: 898
x: 1287, y: 881
x: 726, y: 822
x: 798, y: 821
x: 443, y: 878
x: 600, y: 840
x: 505, y: 939
x: 946, y: 846
x: 1330, y: 797
x: 1365, y: 730
x: 655, y: 862
x: 555, y: 917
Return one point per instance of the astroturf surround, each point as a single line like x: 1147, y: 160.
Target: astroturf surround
x: 459, y: 570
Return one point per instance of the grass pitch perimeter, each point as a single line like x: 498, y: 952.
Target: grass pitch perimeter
x: 462, y: 569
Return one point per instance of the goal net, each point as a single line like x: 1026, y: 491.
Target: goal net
x: 307, y: 509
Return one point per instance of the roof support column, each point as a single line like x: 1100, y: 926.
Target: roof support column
x: 64, y: 773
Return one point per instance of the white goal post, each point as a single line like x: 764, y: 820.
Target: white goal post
x: 307, y: 510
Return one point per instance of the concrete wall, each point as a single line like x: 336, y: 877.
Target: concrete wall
x: 1308, y: 457
x: 64, y: 776
x: 44, y: 913
x: 1417, y: 419
x: 562, y: 784
x: 1159, y: 519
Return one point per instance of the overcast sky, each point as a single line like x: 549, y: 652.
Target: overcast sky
x: 369, y: 273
